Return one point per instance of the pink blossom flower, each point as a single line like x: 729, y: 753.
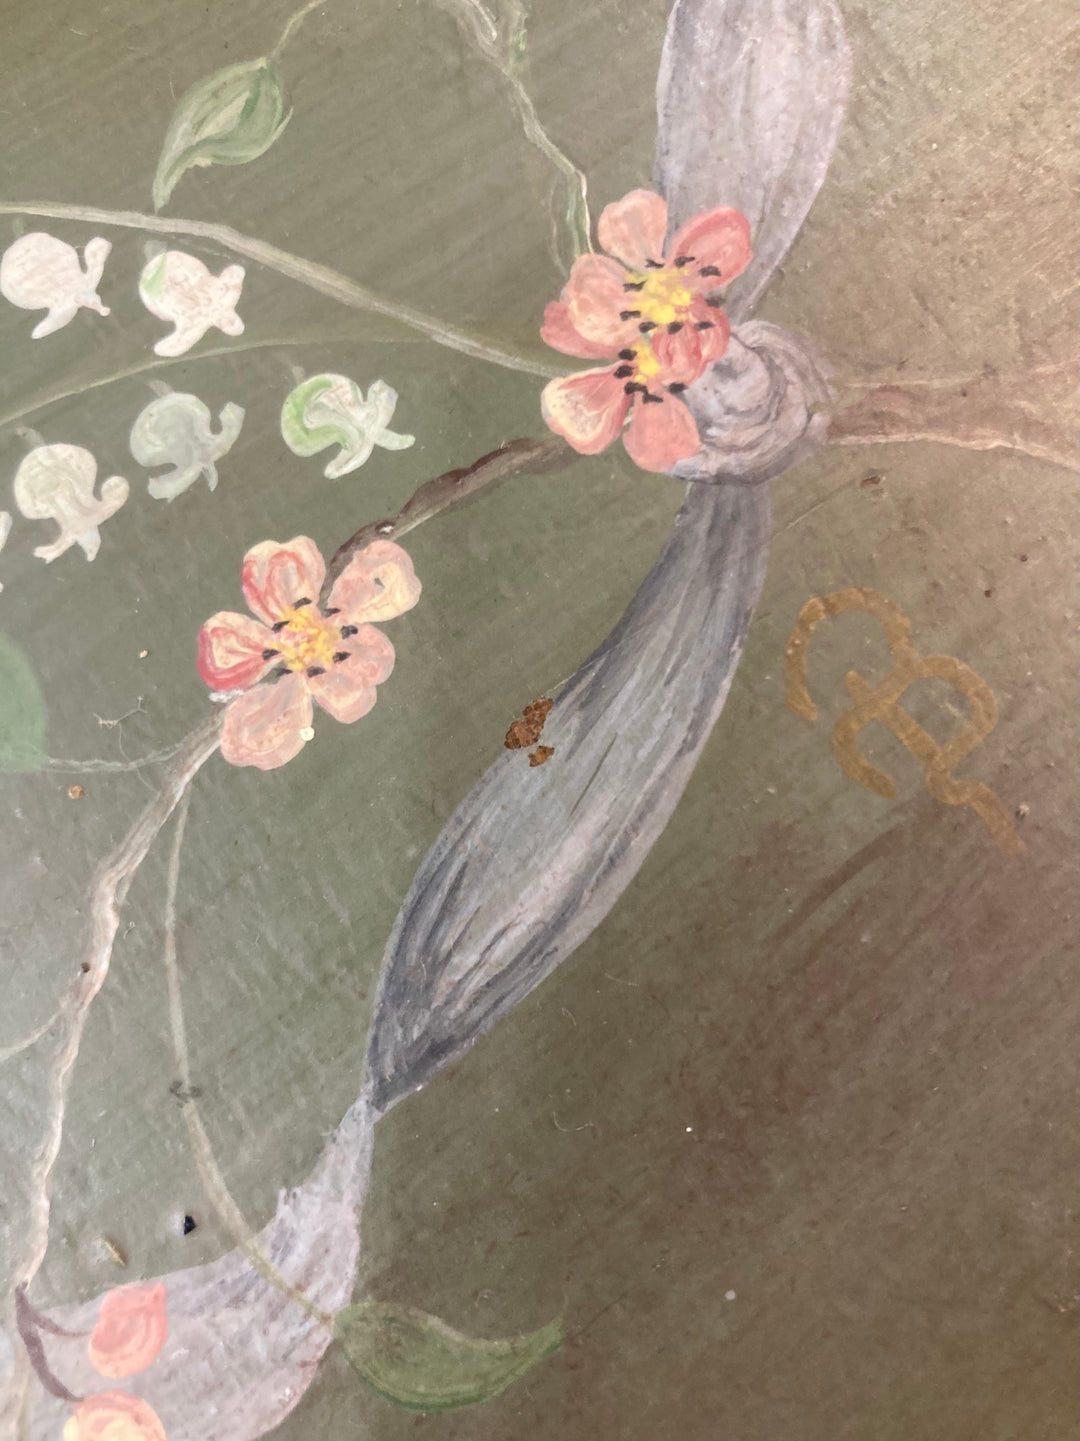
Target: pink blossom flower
x: 295, y: 653
x: 130, y: 1330
x: 114, y: 1416
x: 651, y: 308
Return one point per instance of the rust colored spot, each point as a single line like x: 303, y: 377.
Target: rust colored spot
x: 76, y: 793
x: 540, y: 755
x: 869, y: 480
x: 526, y: 731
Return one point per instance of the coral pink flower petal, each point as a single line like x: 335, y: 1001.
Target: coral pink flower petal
x: 348, y: 691
x: 594, y: 297
x: 714, y: 341
x: 231, y: 650
x: 633, y: 229
x: 130, y: 1330
x: 660, y: 435
x: 558, y: 330
x: 719, y: 238
x: 587, y: 409
x: 378, y: 584
x: 680, y: 355
x: 114, y: 1416
x: 274, y: 577
x: 264, y: 727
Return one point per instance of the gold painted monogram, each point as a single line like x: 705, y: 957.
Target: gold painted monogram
x: 882, y: 703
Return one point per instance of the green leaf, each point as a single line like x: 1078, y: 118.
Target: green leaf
x: 22, y: 711
x: 229, y: 118
x: 420, y: 1363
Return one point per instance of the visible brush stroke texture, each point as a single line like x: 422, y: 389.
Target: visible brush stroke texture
x: 534, y: 857
x: 751, y: 97
x: 239, y: 1354
x: 750, y: 101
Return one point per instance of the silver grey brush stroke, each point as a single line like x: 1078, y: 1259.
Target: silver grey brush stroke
x: 750, y: 98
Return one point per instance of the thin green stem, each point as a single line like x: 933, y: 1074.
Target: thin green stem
x: 213, y: 1181
x: 295, y: 20
x: 479, y: 25
x: 142, y: 367
x: 307, y: 272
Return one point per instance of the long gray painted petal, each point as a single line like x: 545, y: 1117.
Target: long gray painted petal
x: 535, y: 857
x: 750, y: 101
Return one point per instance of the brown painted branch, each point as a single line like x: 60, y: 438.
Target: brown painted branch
x: 1030, y: 412
x: 451, y: 488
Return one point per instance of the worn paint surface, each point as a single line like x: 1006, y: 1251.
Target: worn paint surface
x: 786, y: 1140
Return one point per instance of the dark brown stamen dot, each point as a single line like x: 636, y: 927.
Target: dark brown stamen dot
x: 280, y: 670
x: 704, y: 325
x: 674, y: 327
x: 649, y: 399
x: 304, y: 600
x: 634, y: 285
x: 635, y: 387
x: 629, y: 314
x: 714, y: 302
x: 347, y: 630
x: 646, y: 326
x: 654, y: 264
x: 677, y: 387
x: 332, y: 610
x: 340, y: 655
x: 709, y: 270
x: 622, y: 371
x: 270, y: 654
x: 279, y: 625
x: 681, y: 260
x: 316, y: 670
x: 627, y: 354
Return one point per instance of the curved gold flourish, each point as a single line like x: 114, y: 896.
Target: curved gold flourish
x: 882, y: 703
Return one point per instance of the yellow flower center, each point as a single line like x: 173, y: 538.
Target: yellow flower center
x: 307, y: 639
x: 663, y: 297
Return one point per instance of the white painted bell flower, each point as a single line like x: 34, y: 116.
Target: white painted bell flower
x: 175, y: 429
x: 56, y: 482
x: 178, y: 287
x: 40, y: 272
x: 330, y: 410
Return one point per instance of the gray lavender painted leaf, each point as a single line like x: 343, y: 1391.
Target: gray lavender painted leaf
x: 750, y: 99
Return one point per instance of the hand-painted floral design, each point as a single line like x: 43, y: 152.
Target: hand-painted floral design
x: 651, y: 307
x: 114, y: 1416
x: 130, y: 1330
x: 296, y: 654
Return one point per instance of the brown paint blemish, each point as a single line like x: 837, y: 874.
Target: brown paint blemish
x: 526, y: 731
x: 540, y: 755
x: 76, y: 793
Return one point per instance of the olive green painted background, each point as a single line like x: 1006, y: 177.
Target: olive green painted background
x: 822, y: 1054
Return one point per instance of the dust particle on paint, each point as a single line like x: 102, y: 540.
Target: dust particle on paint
x: 76, y: 793
x: 143, y: 654
x: 729, y: 1295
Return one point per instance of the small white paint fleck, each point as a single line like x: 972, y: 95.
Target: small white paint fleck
x: 689, y: 1129
x: 729, y: 1295
x: 308, y: 733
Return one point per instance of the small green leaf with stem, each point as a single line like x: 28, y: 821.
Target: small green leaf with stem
x: 229, y: 118
x: 421, y: 1363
